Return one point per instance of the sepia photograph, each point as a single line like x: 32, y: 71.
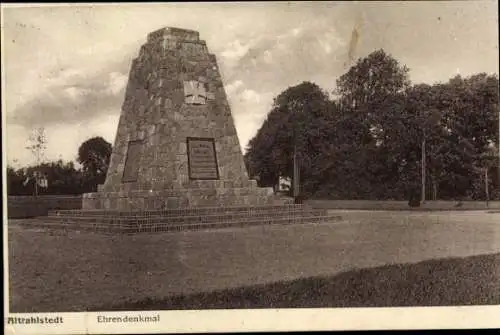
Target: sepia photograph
x: 171, y: 160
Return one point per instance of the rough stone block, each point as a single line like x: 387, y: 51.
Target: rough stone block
x: 149, y: 203
x: 172, y: 202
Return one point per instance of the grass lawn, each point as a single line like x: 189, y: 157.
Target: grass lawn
x: 444, y: 282
x: 55, y: 271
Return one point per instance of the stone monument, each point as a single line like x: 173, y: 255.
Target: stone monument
x: 176, y: 144
x: 177, y: 162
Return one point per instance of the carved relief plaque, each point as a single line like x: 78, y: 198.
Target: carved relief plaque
x: 195, y: 92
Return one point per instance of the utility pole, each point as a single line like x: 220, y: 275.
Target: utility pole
x: 36, y: 183
x: 423, y: 170
x: 431, y: 118
x: 296, y: 169
x: 486, y: 186
x: 296, y: 177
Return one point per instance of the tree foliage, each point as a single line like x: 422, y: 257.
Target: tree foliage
x: 300, y: 116
x: 366, y: 143
x: 94, y: 155
x: 64, y: 177
x: 37, y: 144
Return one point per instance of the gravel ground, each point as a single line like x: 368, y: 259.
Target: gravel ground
x: 58, y: 272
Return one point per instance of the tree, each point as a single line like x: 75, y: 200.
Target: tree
x: 37, y: 146
x: 381, y: 135
x: 371, y: 98
x: 94, y: 155
x: 469, y: 110
x: 15, y: 179
x: 63, y: 179
x: 370, y: 81
x: 300, y: 117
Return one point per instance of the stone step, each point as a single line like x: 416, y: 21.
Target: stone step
x: 159, y: 227
x: 182, y: 186
x: 182, y: 211
x: 170, y: 199
x: 169, y: 214
x: 231, y: 224
x: 185, y: 219
x: 195, y: 191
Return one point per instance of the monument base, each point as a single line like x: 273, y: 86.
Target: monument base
x: 204, y: 193
x: 180, y: 219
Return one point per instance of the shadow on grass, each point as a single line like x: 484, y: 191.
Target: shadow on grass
x: 445, y: 282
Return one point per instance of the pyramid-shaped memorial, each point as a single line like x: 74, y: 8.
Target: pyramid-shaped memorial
x: 176, y: 163
x: 176, y: 144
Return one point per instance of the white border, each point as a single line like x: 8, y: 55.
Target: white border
x: 271, y: 320
x: 241, y: 320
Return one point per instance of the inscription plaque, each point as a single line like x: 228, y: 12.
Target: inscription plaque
x: 202, y: 159
x: 131, y: 169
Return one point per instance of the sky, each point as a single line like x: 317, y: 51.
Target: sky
x: 65, y: 68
